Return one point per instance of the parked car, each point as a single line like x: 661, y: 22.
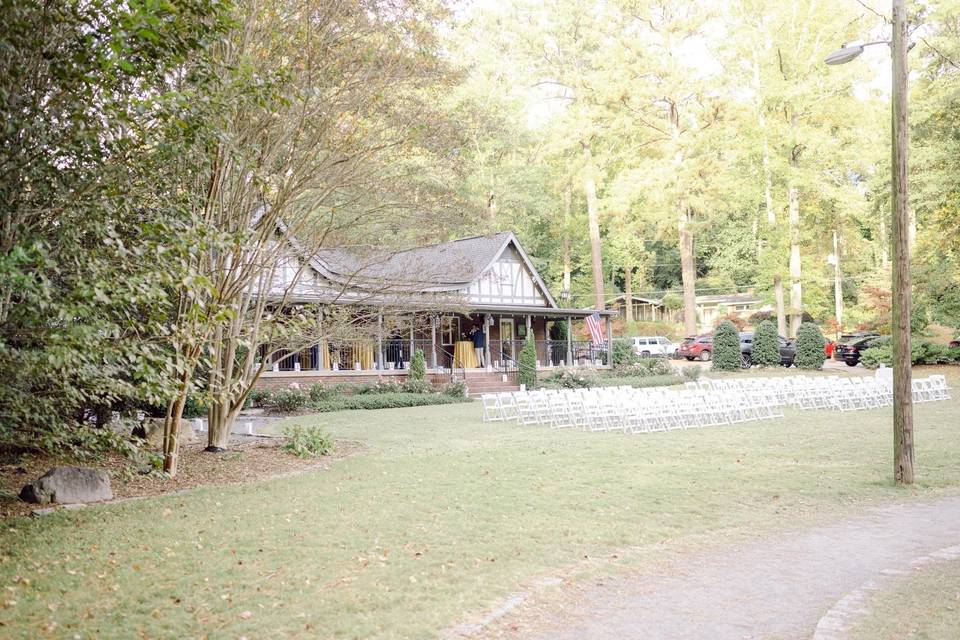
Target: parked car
x: 696, y: 348
x: 646, y: 346
x: 788, y: 350
x: 850, y: 345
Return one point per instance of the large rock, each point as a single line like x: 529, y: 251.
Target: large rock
x: 151, y: 430
x: 69, y: 485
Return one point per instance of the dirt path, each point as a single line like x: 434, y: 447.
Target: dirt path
x: 778, y: 587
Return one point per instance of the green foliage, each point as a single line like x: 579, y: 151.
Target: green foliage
x: 527, y: 365
x: 623, y: 353
x: 766, y: 345
x: 418, y: 366
x: 417, y: 386
x: 726, y: 347
x: 673, y: 302
x: 307, y: 442
x: 873, y: 357
x: 320, y: 392
x: 570, y: 379
x: 384, y: 401
x: 690, y: 374
x: 921, y: 352
x: 559, y: 330
x: 289, y: 400
x: 810, y: 344
x: 644, y: 367
x: 455, y: 389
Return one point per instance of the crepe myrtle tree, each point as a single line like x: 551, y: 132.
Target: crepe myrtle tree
x: 766, y: 345
x: 726, y: 347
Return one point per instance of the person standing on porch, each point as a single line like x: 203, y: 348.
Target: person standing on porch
x: 479, y: 342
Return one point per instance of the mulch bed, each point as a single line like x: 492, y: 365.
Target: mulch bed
x: 247, y: 460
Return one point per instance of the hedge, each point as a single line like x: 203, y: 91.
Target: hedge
x: 810, y: 344
x: 527, y: 369
x: 384, y: 401
x: 766, y: 345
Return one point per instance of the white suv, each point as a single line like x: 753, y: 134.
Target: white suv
x: 646, y: 346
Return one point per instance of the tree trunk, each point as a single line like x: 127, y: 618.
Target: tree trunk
x: 593, y: 215
x: 884, y: 241
x: 902, y: 226
x: 778, y: 297
x: 688, y: 271
x: 565, y: 244
x: 628, y: 293
x: 837, y: 285
x: 796, y: 300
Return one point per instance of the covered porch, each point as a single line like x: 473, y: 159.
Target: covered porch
x: 447, y: 346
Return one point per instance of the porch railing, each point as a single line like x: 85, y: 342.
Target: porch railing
x: 505, y: 353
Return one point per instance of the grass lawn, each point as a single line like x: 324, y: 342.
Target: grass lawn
x: 440, y: 515
x: 925, y: 606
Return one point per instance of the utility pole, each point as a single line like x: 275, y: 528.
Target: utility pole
x: 837, y: 285
x: 902, y: 282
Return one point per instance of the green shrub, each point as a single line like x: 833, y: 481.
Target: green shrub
x: 644, y: 367
x: 527, y: 365
x: 456, y: 388
x: 288, y: 400
x: 418, y: 366
x: 307, y: 442
x: 766, y: 345
x: 380, y: 387
x: 570, y: 379
x: 384, y: 401
x: 415, y: 386
x: 726, y: 347
x: 873, y: 357
x: 623, y: 353
x: 690, y: 374
x: 261, y: 397
x: 810, y: 344
x: 320, y: 392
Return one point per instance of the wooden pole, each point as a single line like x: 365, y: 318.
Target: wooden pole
x: 380, y: 341
x: 778, y: 297
x: 837, y: 285
x: 569, y: 341
x: 900, y: 219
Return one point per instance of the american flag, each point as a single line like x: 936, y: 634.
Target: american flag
x: 596, y: 329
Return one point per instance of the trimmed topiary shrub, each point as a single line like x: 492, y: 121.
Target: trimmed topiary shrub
x: 726, y: 347
x: 766, y: 345
x: 527, y: 369
x: 810, y: 343
x: 418, y: 366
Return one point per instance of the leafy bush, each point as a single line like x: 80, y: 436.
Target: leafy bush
x: 735, y: 320
x: 384, y: 401
x: 766, y: 345
x: 307, y: 442
x: 381, y: 386
x: 262, y: 397
x: 623, y: 352
x: 873, y: 357
x: 810, y: 344
x: 527, y: 369
x: 194, y: 407
x: 570, y: 379
x: 690, y: 374
x: 415, y: 386
x: 645, y: 367
x: 288, y: 400
x: 320, y: 392
x: 418, y: 366
x: 455, y: 389
x: 726, y: 347
x: 759, y: 316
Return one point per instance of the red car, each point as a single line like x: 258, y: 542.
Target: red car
x: 696, y: 348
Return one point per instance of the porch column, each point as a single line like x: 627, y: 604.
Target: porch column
x: 380, y: 341
x: 413, y: 321
x: 322, y: 347
x: 609, y: 341
x: 487, y: 321
x: 433, y: 341
x: 569, y: 341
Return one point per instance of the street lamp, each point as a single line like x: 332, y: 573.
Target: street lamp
x: 900, y: 223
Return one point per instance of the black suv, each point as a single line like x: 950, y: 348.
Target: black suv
x: 788, y: 350
x: 850, y: 345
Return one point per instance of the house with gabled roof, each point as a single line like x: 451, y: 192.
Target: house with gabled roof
x: 447, y: 291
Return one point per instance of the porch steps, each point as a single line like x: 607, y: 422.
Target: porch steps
x: 480, y: 382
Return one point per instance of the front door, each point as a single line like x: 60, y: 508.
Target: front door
x: 506, y: 339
